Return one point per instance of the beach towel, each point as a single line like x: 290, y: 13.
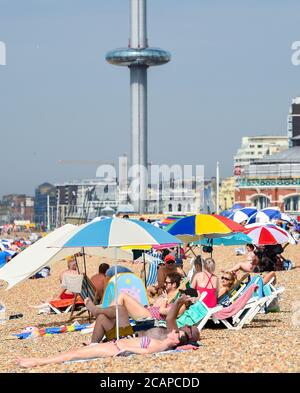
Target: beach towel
x: 238, y: 305
x: 183, y: 348
x: 192, y: 315
x: 32, y: 331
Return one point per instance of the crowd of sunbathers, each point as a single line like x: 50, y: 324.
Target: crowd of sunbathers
x: 171, y: 298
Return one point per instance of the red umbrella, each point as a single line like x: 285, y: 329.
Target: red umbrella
x: 267, y: 235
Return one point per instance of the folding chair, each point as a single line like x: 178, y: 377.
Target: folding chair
x: 86, y: 289
x: 242, y: 311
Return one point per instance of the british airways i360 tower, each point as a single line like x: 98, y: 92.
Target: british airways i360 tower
x: 138, y: 57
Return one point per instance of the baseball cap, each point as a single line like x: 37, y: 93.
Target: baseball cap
x: 169, y: 259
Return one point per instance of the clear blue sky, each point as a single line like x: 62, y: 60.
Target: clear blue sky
x: 230, y: 75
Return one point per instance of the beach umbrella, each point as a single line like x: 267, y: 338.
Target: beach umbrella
x: 235, y: 239
x: 270, y: 224
x: 262, y: 235
x: 41, y: 254
x: 116, y: 233
x: 226, y: 213
x: 286, y: 217
x: 166, y: 222
x: 265, y: 215
x: 210, y: 225
x: 242, y: 214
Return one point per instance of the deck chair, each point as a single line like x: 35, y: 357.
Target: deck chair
x: 197, y: 314
x: 63, y: 306
x: 151, y: 276
x: 84, y: 289
x: 269, y: 289
x: 234, y: 293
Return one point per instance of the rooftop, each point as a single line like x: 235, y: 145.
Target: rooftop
x: 287, y: 156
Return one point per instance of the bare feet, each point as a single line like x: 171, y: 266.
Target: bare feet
x: 94, y: 310
x: 27, y: 362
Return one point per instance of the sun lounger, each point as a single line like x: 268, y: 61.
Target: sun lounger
x: 241, y: 312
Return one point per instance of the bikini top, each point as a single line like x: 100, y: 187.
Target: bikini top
x: 145, y: 342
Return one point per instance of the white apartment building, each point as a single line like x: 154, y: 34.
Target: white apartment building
x: 256, y: 147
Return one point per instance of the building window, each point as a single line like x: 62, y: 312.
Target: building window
x: 179, y: 207
x: 292, y: 203
x: 170, y: 207
x: 261, y: 201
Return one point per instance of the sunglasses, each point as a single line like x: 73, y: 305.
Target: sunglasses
x: 225, y: 278
x: 185, y: 335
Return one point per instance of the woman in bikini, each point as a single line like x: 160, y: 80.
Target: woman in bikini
x: 206, y: 281
x: 139, y: 345
x: 252, y: 261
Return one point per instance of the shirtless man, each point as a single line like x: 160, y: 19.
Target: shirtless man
x: 163, y: 270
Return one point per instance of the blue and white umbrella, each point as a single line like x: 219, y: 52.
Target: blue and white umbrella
x: 265, y: 215
x: 243, y: 214
x: 120, y: 232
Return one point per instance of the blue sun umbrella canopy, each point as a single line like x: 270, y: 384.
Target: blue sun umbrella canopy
x: 231, y: 240
x: 265, y: 215
x: 243, y: 214
x: 120, y: 232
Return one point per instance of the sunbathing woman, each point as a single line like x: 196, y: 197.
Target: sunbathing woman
x: 140, y: 345
x: 251, y: 261
x: 227, y: 282
x: 206, y: 281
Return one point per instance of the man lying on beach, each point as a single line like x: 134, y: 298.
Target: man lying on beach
x: 170, y: 338
x: 106, y: 322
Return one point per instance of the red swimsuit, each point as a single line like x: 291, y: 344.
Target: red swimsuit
x: 211, y: 298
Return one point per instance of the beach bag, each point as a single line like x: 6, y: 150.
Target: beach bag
x: 207, y: 249
x: 192, y: 315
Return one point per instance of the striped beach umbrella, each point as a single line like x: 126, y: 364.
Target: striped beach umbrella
x: 209, y: 225
x: 265, y: 215
x: 242, y: 214
x: 263, y: 235
x: 117, y: 233
x: 120, y: 232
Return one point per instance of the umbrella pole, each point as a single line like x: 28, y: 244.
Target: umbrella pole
x: 86, y: 284
x: 144, y: 260
x: 116, y: 296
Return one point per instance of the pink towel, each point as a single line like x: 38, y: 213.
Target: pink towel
x: 187, y: 347
x: 238, y: 305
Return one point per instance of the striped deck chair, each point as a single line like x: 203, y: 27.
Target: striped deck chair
x: 87, y: 290
x: 152, y: 263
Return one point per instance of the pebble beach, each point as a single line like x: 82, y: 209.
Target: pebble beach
x: 271, y: 343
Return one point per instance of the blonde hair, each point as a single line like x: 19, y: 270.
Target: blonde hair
x: 209, y: 265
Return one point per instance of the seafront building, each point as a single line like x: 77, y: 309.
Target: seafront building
x: 227, y: 193
x: 254, y: 148
x: 275, y: 180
